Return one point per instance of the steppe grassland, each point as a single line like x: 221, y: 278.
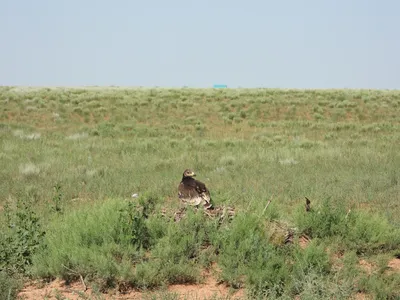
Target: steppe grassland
x: 340, y: 148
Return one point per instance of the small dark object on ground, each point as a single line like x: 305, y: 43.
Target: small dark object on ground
x: 308, y: 202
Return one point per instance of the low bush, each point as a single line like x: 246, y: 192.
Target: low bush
x: 9, y: 285
x: 21, y: 239
x: 123, y: 241
x: 247, y: 257
x: 98, y: 240
x: 366, y: 233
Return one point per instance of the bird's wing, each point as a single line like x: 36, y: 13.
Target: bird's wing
x: 188, y: 193
x: 203, y: 191
x: 181, y: 190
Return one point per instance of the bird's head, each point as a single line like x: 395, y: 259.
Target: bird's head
x: 188, y: 173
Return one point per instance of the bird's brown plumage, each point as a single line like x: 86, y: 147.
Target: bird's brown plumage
x: 192, y: 191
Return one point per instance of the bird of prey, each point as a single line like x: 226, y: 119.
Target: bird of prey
x: 193, y: 192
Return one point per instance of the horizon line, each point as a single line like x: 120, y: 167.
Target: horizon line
x: 190, y: 87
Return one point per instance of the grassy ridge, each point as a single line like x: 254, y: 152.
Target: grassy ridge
x: 97, y: 146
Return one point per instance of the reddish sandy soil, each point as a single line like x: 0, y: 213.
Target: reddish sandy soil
x: 59, y: 290
x: 208, y: 290
x: 303, y: 242
x: 367, y: 266
x: 394, y: 265
x: 362, y: 296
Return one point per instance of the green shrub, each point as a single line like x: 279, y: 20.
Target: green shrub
x: 363, y: 232
x: 9, y: 286
x: 312, y: 259
x: 370, y: 233
x: 179, y: 253
x: 246, y: 256
x: 381, y: 287
x: 324, y: 221
x: 107, y: 129
x: 21, y: 240
x: 95, y: 241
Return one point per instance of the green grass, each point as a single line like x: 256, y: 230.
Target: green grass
x: 71, y: 159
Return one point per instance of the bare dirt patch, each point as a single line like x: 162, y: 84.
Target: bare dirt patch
x: 210, y: 289
x: 366, y: 266
x: 394, y: 264
x: 58, y: 289
x: 53, y: 290
x: 337, y: 260
x: 362, y: 296
x: 303, y: 242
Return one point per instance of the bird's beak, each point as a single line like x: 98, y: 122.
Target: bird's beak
x: 193, y: 174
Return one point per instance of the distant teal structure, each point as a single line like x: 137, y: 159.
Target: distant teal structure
x: 220, y: 86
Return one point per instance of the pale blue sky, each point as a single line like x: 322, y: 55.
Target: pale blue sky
x: 253, y: 43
